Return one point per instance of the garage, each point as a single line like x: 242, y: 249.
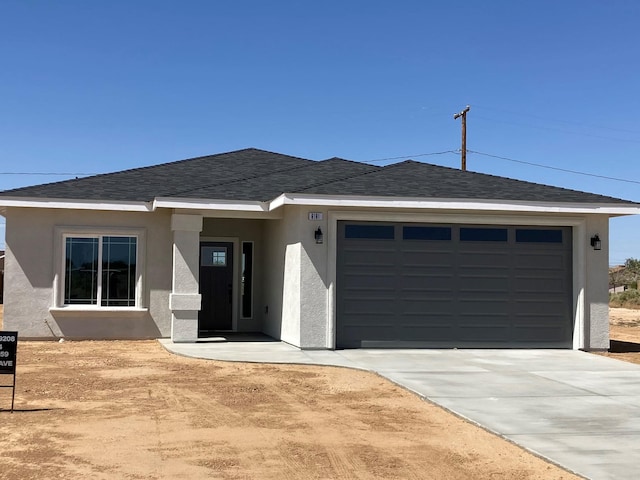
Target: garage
x: 409, y: 285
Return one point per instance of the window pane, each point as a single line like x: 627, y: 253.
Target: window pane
x: 81, y: 271
x: 538, y: 235
x: 483, y: 234
x: 426, y: 233
x: 213, y: 256
x: 378, y: 232
x: 247, y: 278
x: 119, y: 271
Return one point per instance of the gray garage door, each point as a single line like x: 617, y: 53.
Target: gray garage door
x: 442, y: 286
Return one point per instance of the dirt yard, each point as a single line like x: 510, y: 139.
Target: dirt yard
x: 131, y: 410
x: 625, y: 334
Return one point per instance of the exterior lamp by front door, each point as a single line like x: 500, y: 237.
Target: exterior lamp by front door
x: 596, y: 243
x: 318, y: 235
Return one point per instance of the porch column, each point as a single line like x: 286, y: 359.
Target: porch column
x: 184, y: 300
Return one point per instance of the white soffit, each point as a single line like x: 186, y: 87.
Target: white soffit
x: 206, y: 204
x: 454, y: 204
x: 326, y: 200
x: 74, y: 204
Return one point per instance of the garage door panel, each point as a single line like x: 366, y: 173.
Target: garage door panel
x: 424, y: 284
x: 383, y: 308
x: 424, y: 287
x: 438, y: 318
x: 376, y: 335
x: 368, y: 280
x: 483, y: 259
x: 421, y: 259
x: 476, y: 283
x: 484, y: 306
x: 362, y: 257
x: 536, y: 334
x: 540, y: 261
x: 542, y: 319
x: 433, y: 305
x: 545, y: 285
x: 540, y: 306
x: 434, y: 334
x: 485, y: 333
x: 480, y: 319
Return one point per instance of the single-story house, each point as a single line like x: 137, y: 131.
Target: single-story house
x: 320, y: 254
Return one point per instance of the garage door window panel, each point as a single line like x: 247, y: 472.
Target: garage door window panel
x: 538, y: 236
x: 483, y: 234
x: 372, y: 232
x: 426, y: 233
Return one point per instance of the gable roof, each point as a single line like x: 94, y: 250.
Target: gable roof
x: 253, y: 175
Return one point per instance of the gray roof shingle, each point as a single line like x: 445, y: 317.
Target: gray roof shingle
x: 257, y: 175
x: 415, y: 179
x: 175, y: 179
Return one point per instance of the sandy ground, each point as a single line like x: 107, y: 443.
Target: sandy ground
x: 625, y: 334
x: 131, y: 410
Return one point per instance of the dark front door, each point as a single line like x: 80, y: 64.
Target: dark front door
x: 216, y: 287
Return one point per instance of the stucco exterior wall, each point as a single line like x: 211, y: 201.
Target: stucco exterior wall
x: 294, y: 277
x: 273, y: 277
x: 300, y: 278
x: 596, y: 314
x: 282, y: 278
x: 314, y: 291
x: 30, y: 274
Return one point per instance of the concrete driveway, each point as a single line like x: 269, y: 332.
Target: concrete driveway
x: 576, y: 409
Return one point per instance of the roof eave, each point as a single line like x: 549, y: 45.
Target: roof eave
x: 209, y: 204
x: 80, y: 204
x: 611, y: 209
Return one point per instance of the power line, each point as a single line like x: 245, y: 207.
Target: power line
x: 412, y: 156
x: 402, y: 157
x: 555, y: 168
x: 555, y: 120
x: 561, y: 130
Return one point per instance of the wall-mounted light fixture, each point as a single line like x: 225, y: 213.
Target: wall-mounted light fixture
x: 596, y: 243
x: 318, y: 235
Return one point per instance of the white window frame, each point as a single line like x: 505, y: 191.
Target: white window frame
x: 62, y: 233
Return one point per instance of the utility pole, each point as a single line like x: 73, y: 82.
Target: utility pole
x: 463, y: 150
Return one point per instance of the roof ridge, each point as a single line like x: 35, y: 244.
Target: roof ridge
x: 129, y: 170
x: 244, y: 179
x: 161, y: 165
x: 511, y: 179
x: 314, y: 164
x: 350, y: 161
x: 348, y: 177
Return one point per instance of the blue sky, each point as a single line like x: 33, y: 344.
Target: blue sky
x: 91, y: 87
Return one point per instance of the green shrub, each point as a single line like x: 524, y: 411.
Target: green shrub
x: 628, y: 299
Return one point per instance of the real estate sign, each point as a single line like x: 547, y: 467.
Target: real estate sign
x: 8, y: 349
x: 8, y: 352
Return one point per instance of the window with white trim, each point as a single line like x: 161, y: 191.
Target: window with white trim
x: 100, y: 270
